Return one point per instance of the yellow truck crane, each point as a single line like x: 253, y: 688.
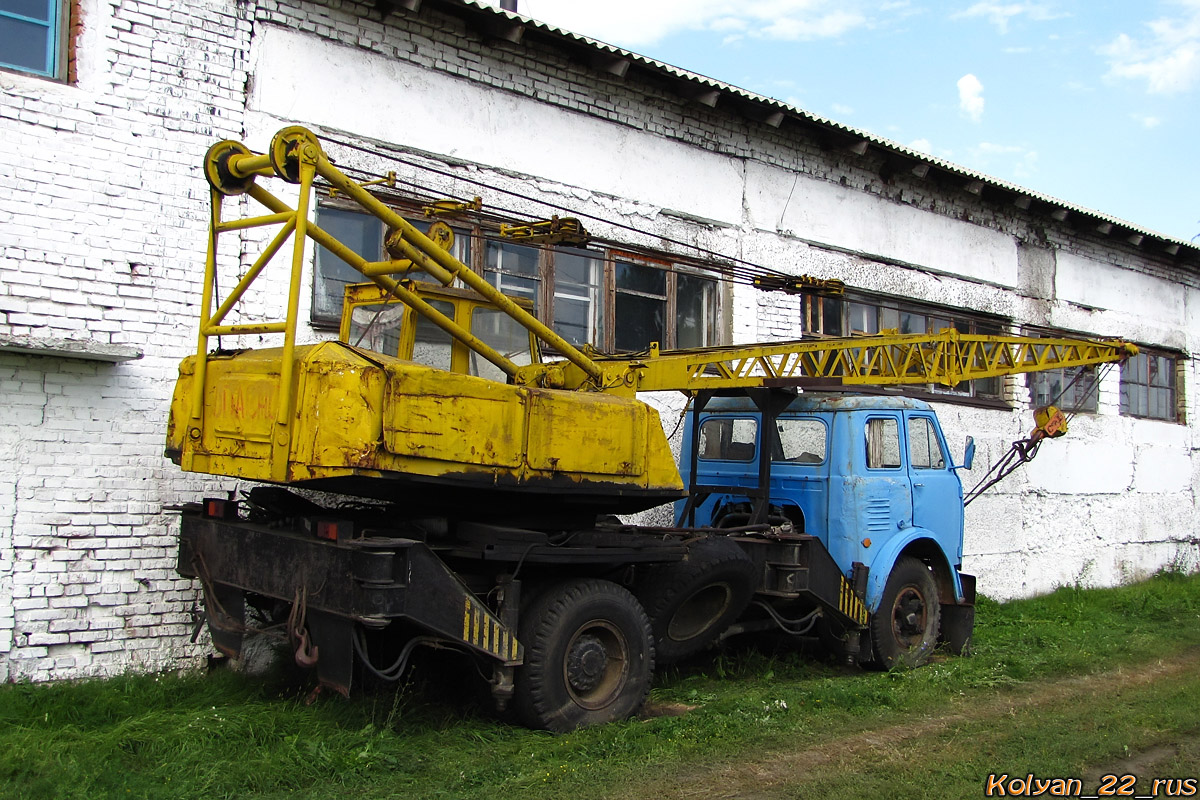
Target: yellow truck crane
x: 467, y: 485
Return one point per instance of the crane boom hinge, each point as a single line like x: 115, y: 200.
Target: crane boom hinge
x: 796, y: 284
x: 556, y: 230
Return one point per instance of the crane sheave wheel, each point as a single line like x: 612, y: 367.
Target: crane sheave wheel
x: 904, y: 630
x: 589, y: 656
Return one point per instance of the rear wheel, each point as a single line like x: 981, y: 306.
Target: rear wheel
x: 904, y: 630
x: 589, y: 656
x: 691, y: 602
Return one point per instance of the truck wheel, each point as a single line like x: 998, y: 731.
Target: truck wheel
x: 690, y: 602
x: 905, y: 628
x: 589, y: 656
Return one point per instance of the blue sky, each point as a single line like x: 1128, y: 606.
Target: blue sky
x: 1095, y: 103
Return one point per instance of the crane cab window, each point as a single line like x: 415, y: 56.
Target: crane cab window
x: 883, y: 443
x: 376, y: 326
x: 376, y: 320
x: 503, y: 334
x: 801, y: 441
x: 924, y: 449
x: 432, y: 346
x: 726, y: 439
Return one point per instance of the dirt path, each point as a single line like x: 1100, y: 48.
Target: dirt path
x: 766, y: 776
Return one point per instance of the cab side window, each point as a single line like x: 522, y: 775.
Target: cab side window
x: 801, y: 441
x: 924, y: 449
x: 728, y: 439
x: 883, y: 443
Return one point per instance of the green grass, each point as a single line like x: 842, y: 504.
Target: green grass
x: 223, y: 735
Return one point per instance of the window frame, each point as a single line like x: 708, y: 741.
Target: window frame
x: 817, y: 307
x: 1174, y: 360
x: 58, y: 35
x: 782, y: 459
x: 897, y: 425
x: 933, y: 440
x: 732, y: 420
x: 482, y: 232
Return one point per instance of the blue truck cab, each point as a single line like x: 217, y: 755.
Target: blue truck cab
x: 869, y: 481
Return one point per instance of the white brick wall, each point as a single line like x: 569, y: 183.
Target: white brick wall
x: 102, y: 218
x: 102, y: 233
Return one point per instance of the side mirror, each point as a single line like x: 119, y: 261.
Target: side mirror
x: 969, y: 453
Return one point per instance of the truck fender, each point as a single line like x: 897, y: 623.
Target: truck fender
x: 885, y: 560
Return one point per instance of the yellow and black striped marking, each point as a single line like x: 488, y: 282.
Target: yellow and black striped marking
x: 483, y: 630
x: 850, y: 605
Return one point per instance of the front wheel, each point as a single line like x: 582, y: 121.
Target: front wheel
x: 904, y: 630
x: 589, y: 656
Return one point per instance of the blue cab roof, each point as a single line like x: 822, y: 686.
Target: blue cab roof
x: 819, y: 402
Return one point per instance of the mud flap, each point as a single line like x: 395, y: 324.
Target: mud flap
x: 958, y: 619
x: 225, y: 607
x: 332, y: 644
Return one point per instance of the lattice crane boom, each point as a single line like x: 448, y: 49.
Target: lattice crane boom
x: 946, y: 358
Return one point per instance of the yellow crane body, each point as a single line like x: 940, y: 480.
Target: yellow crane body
x: 372, y: 425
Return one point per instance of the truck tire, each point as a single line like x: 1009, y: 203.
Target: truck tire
x: 589, y: 656
x: 691, y: 602
x: 904, y: 630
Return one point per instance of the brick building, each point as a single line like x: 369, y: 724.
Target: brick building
x: 109, y: 106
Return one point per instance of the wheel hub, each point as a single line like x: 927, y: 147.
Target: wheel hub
x: 586, y: 663
x: 908, y: 617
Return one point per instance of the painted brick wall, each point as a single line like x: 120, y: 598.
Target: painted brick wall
x: 102, y: 231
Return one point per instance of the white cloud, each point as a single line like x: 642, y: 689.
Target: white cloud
x: 1147, y: 121
x: 1167, y: 58
x: 805, y: 27
x: 924, y: 145
x: 970, y: 97
x: 1005, y: 159
x: 728, y: 25
x: 1000, y: 14
x: 637, y: 23
x: 842, y: 110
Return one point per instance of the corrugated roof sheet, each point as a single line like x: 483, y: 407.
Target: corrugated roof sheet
x: 702, y: 81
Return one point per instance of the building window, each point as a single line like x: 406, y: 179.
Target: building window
x: 361, y: 233
x: 33, y: 36
x: 514, y: 269
x: 641, y: 306
x: 578, y: 295
x: 695, y: 310
x: 1148, y: 386
x: 609, y: 299
x: 1068, y: 388
x: 364, y: 234
x: 861, y: 315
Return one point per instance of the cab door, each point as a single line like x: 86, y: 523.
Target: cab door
x: 877, y: 503
x: 936, y: 489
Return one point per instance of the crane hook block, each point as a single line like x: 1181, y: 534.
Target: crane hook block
x: 1051, y: 423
